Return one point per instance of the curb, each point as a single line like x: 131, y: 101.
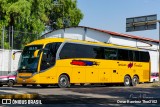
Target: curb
x: 18, y: 96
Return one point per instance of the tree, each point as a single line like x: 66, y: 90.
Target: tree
x: 64, y: 13
x: 29, y: 18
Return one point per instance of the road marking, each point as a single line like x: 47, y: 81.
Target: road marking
x: 91, y: 95
x: 68, y: 93
x: 12, y: 92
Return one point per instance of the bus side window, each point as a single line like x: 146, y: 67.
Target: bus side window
x: 72, y: 50
x: 99, y: 52
x: 136, y: 56
x: 123, y: 55
x: 144, y: 57
x: 49, y: 55
x: 110, y: 53
x: 130, y: 54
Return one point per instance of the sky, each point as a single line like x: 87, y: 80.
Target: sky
x: 111, y: 14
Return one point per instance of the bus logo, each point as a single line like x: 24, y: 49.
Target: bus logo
x: 83, y: 63
x: 130, y: 65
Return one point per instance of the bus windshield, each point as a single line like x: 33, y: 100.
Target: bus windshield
x: 28, y: 63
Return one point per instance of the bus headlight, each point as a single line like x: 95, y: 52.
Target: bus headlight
x: 34, y: 73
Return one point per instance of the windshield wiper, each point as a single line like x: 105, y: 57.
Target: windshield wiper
x: 27, y: 70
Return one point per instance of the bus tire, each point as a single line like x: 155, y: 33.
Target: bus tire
x: 34, y: 85
x: 44, y: 85
x: 127, y: 81
x: 81, y: 84
x: 72, y: 84
x: 24, y: 85
x: 10, y: 83
x: 63, y: 81
x: 135, y: 81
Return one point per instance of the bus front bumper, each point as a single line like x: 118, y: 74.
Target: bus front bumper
x: 26, y: 80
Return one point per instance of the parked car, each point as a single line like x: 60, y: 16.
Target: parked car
x: 9, y: 79
x: 155, y: 77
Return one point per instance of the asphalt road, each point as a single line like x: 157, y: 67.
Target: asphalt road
x: 84, y: 96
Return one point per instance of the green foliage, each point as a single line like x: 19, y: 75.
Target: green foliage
x: 29, y: 18
x: 65, y: 13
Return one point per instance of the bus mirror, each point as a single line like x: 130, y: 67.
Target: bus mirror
x: 14, y: 53
x: 36, y: 53
x: 13, y: 56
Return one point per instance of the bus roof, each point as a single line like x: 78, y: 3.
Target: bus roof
x: 50, y: 40
x: 46, y: 40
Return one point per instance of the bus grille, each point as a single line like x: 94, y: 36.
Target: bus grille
x: 26, y: 77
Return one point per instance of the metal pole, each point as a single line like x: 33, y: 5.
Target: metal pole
x: 9, y: 38
x: 11, y: 51
x: 12, y: 38
x: 159, y: 52
x: 63, y: 15
x: 3, y: 48
x: 3, y: 38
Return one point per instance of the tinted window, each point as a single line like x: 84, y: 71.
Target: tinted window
x: 144, y: 57
x: 71, y: 50
x: 29, y: 63
x: 110, y: 53
x: 136, y: 55
x: 123, y: 55
x: 49, y: 55
x: 52, y: 48
x: 130, y: 54
x: 99, y: 52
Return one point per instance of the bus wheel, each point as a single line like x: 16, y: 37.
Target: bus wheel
x: 81, y: 84
x: 127, y: 81
x: 10, y: 83
x: 44, y: 85
x: 72, y: 84
x: 63, y: 81
x: 135, y: 81
x: 34, y: 85
x: 24, y: 85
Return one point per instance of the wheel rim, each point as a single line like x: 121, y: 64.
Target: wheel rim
x: 127, y: 81
x: 135, y: 80
x: 63, y: 81
x: 10, y: 84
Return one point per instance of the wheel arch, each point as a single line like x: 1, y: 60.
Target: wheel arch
x: 128, y: 75
x: 66, y: 75
x: 11, y: 80
x: 137, y: 76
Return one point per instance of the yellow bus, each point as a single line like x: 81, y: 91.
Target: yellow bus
x: 63, y: 61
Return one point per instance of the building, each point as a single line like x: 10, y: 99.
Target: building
x: 97, y: 35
